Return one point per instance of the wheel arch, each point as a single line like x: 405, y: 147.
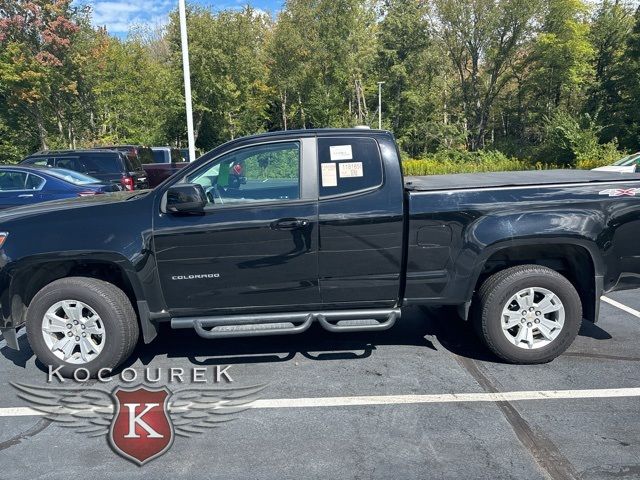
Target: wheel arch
x: 24, y: 279
x: 577, y: 259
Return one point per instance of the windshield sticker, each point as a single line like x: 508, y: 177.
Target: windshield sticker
x: 341, y: 152
x: 351, y: 170
x: 329, y: 177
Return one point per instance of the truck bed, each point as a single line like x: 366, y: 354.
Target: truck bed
x: 513, y: 179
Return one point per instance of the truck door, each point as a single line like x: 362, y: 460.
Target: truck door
x: 256, y: 245
x: 361, y: 220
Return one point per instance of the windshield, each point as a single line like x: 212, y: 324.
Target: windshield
x: 72, y: 177
x: 628, y: 160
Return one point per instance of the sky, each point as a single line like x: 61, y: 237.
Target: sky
x: 119, y: 15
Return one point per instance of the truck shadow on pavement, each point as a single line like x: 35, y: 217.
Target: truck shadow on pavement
x: 431, y: 329
x: 417, y: 327
x: 314, y: 344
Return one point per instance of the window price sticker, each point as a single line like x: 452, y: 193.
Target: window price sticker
x: 351, y: 170
x: 340, y: 152
x: 329, y: 177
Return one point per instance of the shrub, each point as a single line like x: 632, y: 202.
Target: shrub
x: 456, y: 161
x: 598, y: 157
x: 575, y: 141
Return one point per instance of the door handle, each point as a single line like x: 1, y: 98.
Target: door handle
x: 289, y: 223
x: 26, y: 195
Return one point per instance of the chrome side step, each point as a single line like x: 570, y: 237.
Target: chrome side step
x: 228, y: 326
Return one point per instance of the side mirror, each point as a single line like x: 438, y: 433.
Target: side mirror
x: 186, y: 198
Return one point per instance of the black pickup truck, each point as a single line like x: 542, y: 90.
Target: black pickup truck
x: 325, y: 229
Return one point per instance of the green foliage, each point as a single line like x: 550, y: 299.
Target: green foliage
x: 279, y: 164
x: 575, y: 141
x: 545, y: 82
x: 452, y: 161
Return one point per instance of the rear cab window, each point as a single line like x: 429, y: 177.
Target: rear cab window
x: 159, y: 156
x: 348, y: 165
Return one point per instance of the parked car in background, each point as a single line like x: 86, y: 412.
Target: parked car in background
x: 165, y: 155
x: 108, y: 166
x: 137, y: 154
x: 166, y: 162
x: 20, y: 185
x: 628, y: 164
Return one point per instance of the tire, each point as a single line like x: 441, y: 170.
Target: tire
x: 117, y: 321
x: 494, y: 299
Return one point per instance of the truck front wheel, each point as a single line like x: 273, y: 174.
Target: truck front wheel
x: 528, y: 314
x: 80, y: 322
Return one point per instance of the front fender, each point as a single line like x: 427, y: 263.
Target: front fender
x: 20, y: 280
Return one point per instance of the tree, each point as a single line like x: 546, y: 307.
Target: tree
x: 629, y: 87
x: 610, y: 30
x: 480, y: 37
x: 229, y: 72
x: 35, y: 37
x: 415, y: 93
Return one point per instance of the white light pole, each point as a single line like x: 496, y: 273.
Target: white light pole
x: 187, y: 79
x: 380, y: 105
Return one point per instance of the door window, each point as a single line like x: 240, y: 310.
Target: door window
x: 13, y: 181
x: 34, y: 182
x: 348, y: 165
x: 262, y: 173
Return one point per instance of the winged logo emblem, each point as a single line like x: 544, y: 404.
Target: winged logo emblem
x: 140, y: 422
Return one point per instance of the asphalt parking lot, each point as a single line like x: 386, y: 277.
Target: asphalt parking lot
x: 433, y: 411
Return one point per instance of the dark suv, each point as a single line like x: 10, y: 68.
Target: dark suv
x: 109, y: 166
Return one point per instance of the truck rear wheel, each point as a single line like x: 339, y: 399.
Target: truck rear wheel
x: 528, y: 314
x: 80, y: 322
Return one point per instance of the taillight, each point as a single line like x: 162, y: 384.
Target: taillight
x: 89, y: 193
x: 127, y: 183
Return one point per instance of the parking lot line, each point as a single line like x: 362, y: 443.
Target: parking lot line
x: 621, y: 306
x: 406, y: 399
